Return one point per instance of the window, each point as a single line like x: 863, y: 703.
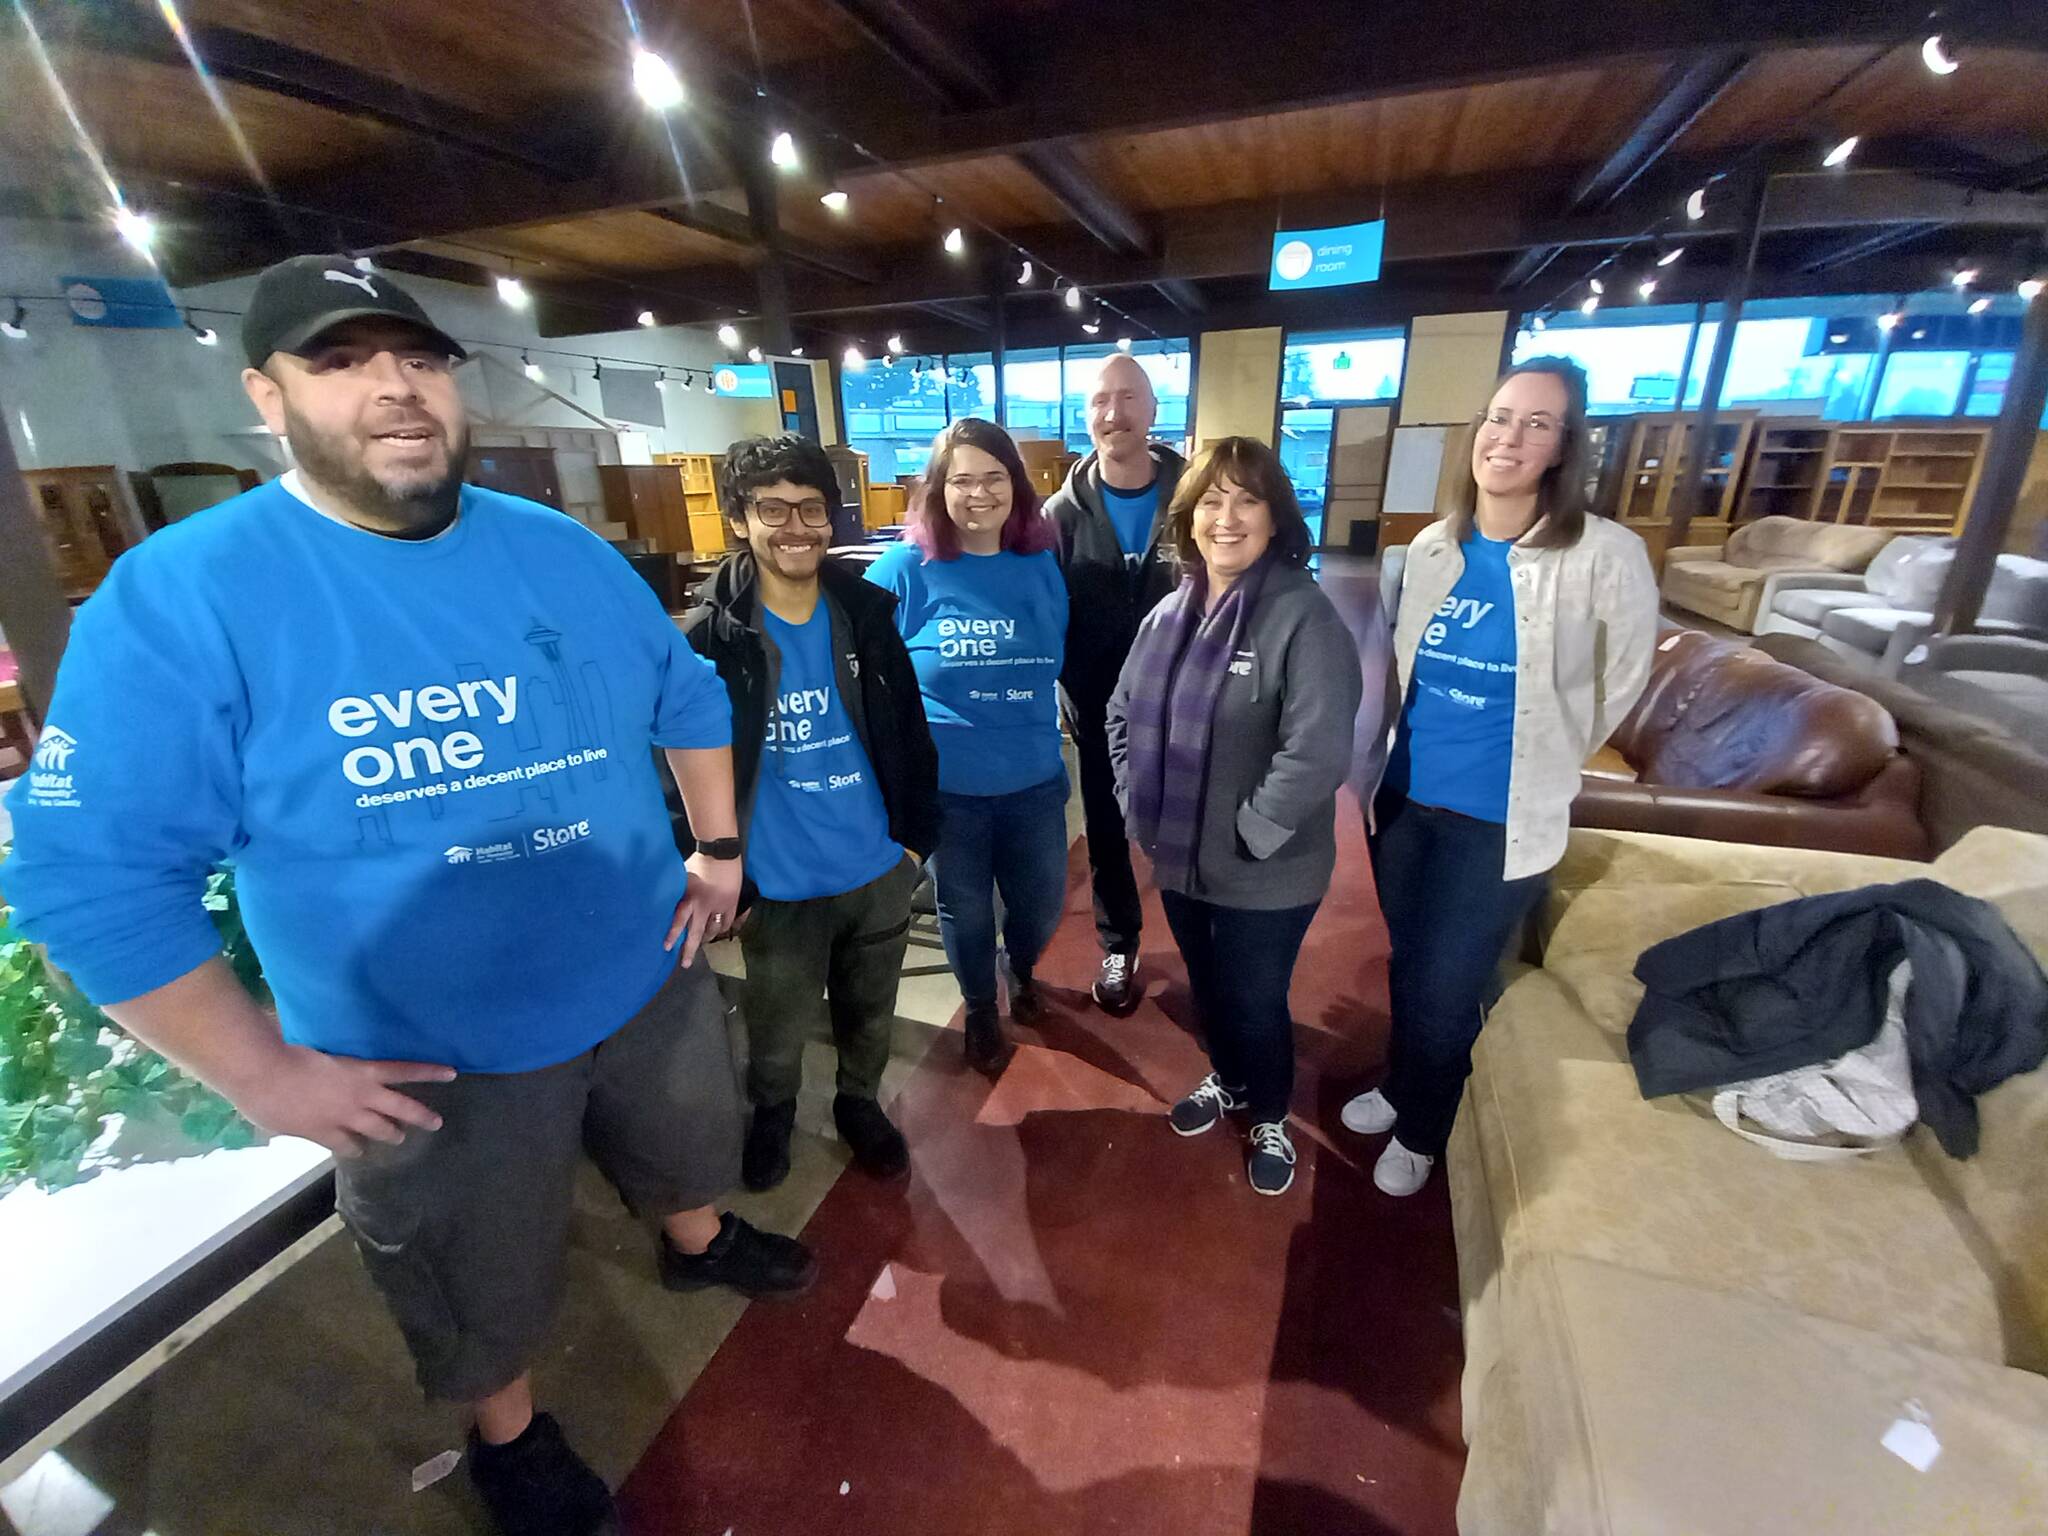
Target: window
x: 893, y: 410
x: 970, y: 385
x: 1987, y: 386
x: 1318, y: 374
x: 1632, y: 357
x: 1922, y: 384
x: 1168, y: 364
x: 1032, y: 392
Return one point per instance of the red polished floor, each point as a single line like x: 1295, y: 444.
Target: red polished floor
x: 1071, y: 1319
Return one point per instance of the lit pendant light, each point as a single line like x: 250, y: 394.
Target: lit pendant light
x: 956, y: 242
x: 1591, y: 303
x: 835, y: 201
x: 513, y: 292
x: 1964, y: 277
x: 1837, y: 157
x: 1939, y: 60
x: 647, y: 317
x: 1889, y: 321
x: 1123, y: 343
x: 656, y: 81
x: 783, y: 152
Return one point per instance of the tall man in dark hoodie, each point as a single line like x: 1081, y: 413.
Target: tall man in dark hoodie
x: 837, y: 784
x: 1111, y: 515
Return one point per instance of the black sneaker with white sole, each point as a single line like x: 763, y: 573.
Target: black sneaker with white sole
x: 1202, y: 1108
x: 1270, y: 1168
x: 537, y: 1486
x: 1116, y: 989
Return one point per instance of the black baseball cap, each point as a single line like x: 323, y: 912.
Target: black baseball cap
x: 302, y: 296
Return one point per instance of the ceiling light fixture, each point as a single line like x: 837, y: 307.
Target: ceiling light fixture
x: 205, y: 335
x: 529, y: 367
x: 1978, y: 306
x: 1073, y: 298
x: 1837, y: 338
x: 710, y: 384
x: 853, y: 360
x: 956, y: 242
x: 1889, y: 321
x: 1919, y: 333
x: 1091, y: 325
x: 2030, y: 289
x: 729, y: 335
x: 1670, y: 256
x: 796, y: 351
x: 1964, y: 277
x: 753, y: 354
x: 1538, y: 324
x: 1838, y: 157
x: 1696, y: 205
x: 1939, y: 60
x: 835, y: 200
x: 647, y: 317
x: 513, y: 292
x: 896, y: 346
x: 138, y: 229
x: 783, y: 152
x: 656, y: 80
x: 1591, y: 303
x: 1024, y: 274
x: 1646, y: 287
x: 1596, y: 285
x: 16, y: 329
x: 1123, y: 343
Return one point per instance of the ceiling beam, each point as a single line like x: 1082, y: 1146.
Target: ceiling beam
x: 1862, y: 247
x: 1090, y: 204
x: 1181, y: 294
x: 931, y: 54
x: 735, y: 228
x: 1687, y: 90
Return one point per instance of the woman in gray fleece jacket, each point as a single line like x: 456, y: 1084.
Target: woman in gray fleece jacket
x: 1231, y: 730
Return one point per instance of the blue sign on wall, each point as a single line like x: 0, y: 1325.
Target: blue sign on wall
x: 1327, y: 258
x: 131, y: 303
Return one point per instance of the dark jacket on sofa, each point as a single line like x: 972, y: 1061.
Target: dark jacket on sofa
x: 873, y: 673
x: 1805, y: 981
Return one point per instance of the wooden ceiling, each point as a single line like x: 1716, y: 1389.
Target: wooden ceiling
x: 1147, y: 150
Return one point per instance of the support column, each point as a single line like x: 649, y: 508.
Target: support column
x: 1692, y: 487
x: 33, y: 611
x: 771, y: 276
x: 999, y: 341
x: 1998, y: 487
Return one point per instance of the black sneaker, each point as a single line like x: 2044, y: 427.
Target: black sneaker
x: 765, y: 1161
x: 1205, y: 1106
x: 1027, y: 1002
x: 877, y: 1146
x: 764, y: 1265
x: 1270, y: 1168
x: 986, y: 1049
x: 1116, y: 990
x: 537, y: 1486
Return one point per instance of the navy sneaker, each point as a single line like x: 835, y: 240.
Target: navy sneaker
x: 1205, y: 1106
x: 1270, y: 1168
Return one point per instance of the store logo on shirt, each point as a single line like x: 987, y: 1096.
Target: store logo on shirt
x: 548, y: 839
x: 49, y: 785
x: 483, y: 853
x: 53, y: 752
x: 796, y: 716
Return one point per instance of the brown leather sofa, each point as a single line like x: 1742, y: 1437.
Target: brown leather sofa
x: 1727, y: 743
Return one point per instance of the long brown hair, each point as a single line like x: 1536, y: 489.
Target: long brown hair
x: 1027, y: 532
x: 1561, y: 502
x: 1250, y: 464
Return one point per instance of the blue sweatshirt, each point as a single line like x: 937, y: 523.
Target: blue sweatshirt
x: 987, y: 634
x: 430, y: 763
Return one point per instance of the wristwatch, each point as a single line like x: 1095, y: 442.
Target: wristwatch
x: 720, y: 847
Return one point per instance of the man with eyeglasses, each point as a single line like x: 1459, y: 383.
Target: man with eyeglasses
x: 837, y: 783
x: 422, y: 719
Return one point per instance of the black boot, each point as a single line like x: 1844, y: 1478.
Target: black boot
x: 763, y: 1265
x: 765, y: 1161
x: 1027, y: 1003
x: 986, y: 1049
x: 537, y: 1486
x: 877, y: 1146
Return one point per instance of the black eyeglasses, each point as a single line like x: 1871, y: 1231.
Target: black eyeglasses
x: 774, y: 511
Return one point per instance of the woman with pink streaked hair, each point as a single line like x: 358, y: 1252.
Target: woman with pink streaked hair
x: 983, y: 609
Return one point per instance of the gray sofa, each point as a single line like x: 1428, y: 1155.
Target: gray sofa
x: 1884, y: 634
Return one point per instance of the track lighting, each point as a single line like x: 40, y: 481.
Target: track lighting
x: 1939, y: 60
x: 656, y: 80
x: 513, y: 292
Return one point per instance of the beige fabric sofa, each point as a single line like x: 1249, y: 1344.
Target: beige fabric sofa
x: 1669, y: 1330
x: 1733, y: 584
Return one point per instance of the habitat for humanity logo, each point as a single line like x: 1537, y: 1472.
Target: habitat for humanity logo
x: 483, y: 853
x: 53, y: 752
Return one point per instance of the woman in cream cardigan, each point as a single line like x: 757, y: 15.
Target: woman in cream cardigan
x: 1523, y: 634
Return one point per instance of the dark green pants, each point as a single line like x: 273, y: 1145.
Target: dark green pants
x: 844, y: 950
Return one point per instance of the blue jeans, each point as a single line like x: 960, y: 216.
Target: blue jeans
x: 1015, y: 843
x: 1240, y: 964
x: 1449, y: 917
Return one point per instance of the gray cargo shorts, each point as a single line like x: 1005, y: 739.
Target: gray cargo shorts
x: 465, y: 1230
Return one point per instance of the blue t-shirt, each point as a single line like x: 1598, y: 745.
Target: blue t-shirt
x: 818, y: 827
x: 1131, y: 514
x: 430, y: 763
x: 1456, y: 740
x: 986, y: 634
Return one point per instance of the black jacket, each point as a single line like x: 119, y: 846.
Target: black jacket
x: 1805, y: 981
x: 1106, y: 597
x: 873, y: 674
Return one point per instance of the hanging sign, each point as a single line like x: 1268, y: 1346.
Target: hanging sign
x: 1327, y: 258
x: 131, y: 303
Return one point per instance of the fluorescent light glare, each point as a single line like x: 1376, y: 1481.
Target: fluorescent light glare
x: 835, y: 200
x: 783, y: 152
x: 513, y: 292
x: 138, y: 229
x: 656, y: 80
x: 1839, y: 155
x: 1939, y: 60
x: 956, y: 242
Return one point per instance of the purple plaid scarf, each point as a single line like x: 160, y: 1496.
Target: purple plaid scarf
x: 1178, y: 667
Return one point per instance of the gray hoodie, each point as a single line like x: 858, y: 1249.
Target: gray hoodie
x: 1279, y: 748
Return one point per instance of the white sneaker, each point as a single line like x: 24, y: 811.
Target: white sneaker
x: 1369, y: 1114
x: 1400, y: 1172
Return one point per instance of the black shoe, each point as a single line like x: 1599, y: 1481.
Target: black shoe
x: 764, y: 1265
x: 537, y: 1486
x: 1209, y: 1102
x: 986, y: 1049
x: 1027, y: 1002
x: 1270, y: 1168
x: 876, y: 1145
x: 765, y: 1162
x: 1116, y: 990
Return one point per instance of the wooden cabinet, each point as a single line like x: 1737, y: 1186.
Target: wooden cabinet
x: 518, y: 471
x: 649, y: 500
x: 1660, y: 452
x: 1787, y: 468
x: 89, y: 517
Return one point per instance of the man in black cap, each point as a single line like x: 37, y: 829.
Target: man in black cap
x: 417, y: 715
